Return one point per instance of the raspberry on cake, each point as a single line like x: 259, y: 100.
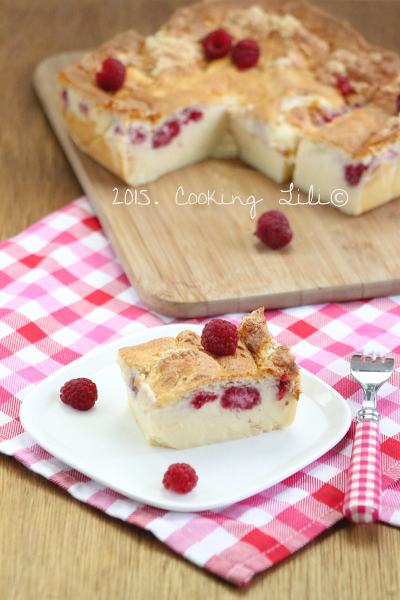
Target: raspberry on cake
x: 220, y: 337
x: 264, y: 77
x: 112, y: 75
x: 183, y: 396
x: 245, y: 54
x: 217, y: 44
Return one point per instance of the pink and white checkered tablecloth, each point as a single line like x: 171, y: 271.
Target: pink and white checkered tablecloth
x: 63, y: 292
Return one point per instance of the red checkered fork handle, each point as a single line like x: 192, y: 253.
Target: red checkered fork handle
x: 362, y: 501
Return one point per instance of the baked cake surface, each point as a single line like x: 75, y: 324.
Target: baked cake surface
x: 177, y: 107
x: 184, y: 396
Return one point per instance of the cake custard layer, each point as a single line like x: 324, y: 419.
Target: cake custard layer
x: 316, y: 82
x: 183, y: 396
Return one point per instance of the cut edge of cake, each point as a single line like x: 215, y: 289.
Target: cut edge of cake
x: 357, y: 157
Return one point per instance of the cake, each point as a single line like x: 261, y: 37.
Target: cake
x: 358, y: 152
x: 183, y: 396
x: 317, y: 102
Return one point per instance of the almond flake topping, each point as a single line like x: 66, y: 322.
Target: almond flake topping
x: 167, y: 53
x: 255, y: 22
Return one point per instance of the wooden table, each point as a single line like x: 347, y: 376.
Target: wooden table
x: 52, y: 546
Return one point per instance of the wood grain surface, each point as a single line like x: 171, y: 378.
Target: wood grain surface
x: 194, y: 260
x: 53, y: 547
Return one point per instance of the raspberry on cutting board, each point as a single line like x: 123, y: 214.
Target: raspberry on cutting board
x: 273, y: 229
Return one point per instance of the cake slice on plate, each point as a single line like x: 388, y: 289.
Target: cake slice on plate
x: 183, y: 396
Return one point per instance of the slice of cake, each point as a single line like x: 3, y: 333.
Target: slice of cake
x: 177, y: 105
x: 357, y: 156
x: 183, y: 396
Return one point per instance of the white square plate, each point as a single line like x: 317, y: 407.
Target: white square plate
x: 106, y: 444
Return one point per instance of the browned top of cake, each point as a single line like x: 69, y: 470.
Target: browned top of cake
x: 302, y: 51
x: 174, y: 366
x: 369, y: 128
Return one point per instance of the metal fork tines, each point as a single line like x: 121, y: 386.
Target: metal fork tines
x: 370, y: 373
x: 363, y: 496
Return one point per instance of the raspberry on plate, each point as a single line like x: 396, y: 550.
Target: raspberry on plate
x: 220, y: 337
x: 245, y: 54
x: 80, y: 393
x: 273, y: 229
x: 112, y: 75
x: 217, y: 44
x: 180, y: 478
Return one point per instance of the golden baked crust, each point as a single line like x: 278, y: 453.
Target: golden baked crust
x: 253, y: 331
x: 369, y: 128
x: 302, y: 52
x: 174, y: 366
x: 292, y: 93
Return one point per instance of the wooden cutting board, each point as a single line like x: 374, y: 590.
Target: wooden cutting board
x: 191, y: 260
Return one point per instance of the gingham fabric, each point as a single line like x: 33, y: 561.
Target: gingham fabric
x: 63, y: 292
x: 362, y: 499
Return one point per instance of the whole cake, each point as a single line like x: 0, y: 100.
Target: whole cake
x: 183, y: 396
x: 279, y: 84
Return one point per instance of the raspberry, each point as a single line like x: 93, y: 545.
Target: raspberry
x: 319, y: 117
x: 245, y: 54
x: 327, y: 117
x: 79, y: 393
x: 240, y: 397
x: 65, y: 98
x: 133, y: 387
x: 83, y: 107
x: 137, y: 135
x: 180, y: 478
x: 344, y: 85
x: 283, y: 386
x: 273, y: 229
x: 166, y: 133
x: 353, y: 173
x: 220, y: 337
x: 191, y: 114
x: 112, y: 75
x: 201, y: 398
x: 217, y: 44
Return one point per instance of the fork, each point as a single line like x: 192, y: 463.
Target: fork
x: 362, y: 500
